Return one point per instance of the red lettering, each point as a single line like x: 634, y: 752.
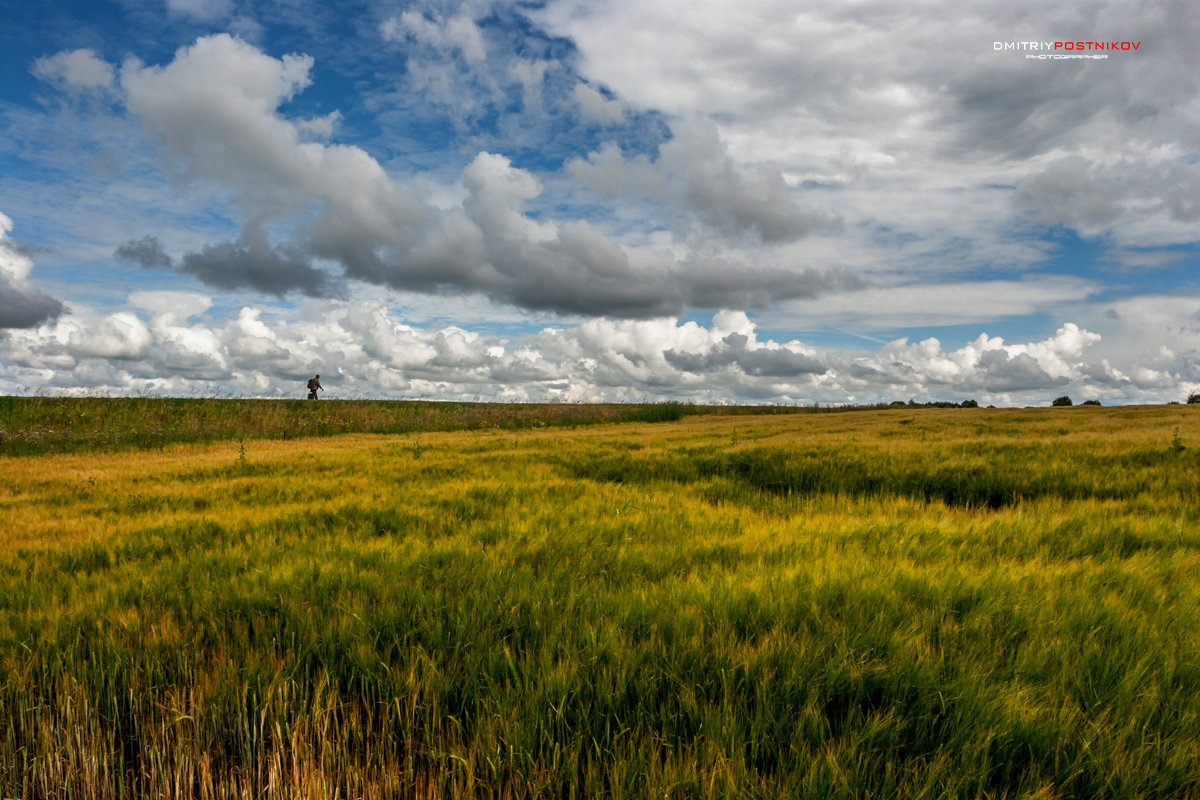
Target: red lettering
x: 1137, y: 45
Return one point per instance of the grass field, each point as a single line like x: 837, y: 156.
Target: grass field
x: 37, y: 425
x: 904, y: 603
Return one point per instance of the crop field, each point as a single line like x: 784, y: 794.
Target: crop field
x: 915, y: 603
x: 38, y: 425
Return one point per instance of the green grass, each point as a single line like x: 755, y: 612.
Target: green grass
x: 909, y: 603
x: 34, y: 425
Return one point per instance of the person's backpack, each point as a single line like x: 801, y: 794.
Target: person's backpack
x: 312, y: 384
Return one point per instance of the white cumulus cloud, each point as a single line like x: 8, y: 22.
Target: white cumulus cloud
x: 215, y: 111
x: 76, y: 69
x: 596, y: 106
x: 458, y: 33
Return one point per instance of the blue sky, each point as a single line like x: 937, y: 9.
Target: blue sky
x: 754, y: 202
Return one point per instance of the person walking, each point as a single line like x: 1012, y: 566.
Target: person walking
x: 314, y: 384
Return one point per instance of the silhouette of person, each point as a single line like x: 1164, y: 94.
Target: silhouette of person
x: 313, y: 385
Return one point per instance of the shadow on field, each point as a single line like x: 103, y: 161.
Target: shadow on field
x: 989, y: 480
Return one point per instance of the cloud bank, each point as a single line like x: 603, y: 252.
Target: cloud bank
x: 22, y: 305
x: 215, y: 111
x: 172, y: 344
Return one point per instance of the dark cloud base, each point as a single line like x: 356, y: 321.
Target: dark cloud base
x: 26, y: 307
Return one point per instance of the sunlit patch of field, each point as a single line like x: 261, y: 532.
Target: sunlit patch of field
x: 908, y: 603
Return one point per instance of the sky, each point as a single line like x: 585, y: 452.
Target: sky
x: 602, y: 200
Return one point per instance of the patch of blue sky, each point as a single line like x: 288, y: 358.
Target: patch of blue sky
x: 1025, y: 328
x: 364, y: 78
x: 501, y: 329
x: 1127, y: 270
x: 538, y: 126
x: 889, y: 235
x: 703, y: 318
x: 34, y: 30
x: 951, y: 337
x: 226, y: 307
x: 105, y: 286
x: 1017, y: 328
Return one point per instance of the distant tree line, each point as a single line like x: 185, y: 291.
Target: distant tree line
x: 1192, y: 399
x: 930, y: 404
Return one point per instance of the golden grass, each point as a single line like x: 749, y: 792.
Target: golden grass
x: 965, y: 603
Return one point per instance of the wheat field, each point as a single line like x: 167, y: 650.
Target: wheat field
x: 896, y: 603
